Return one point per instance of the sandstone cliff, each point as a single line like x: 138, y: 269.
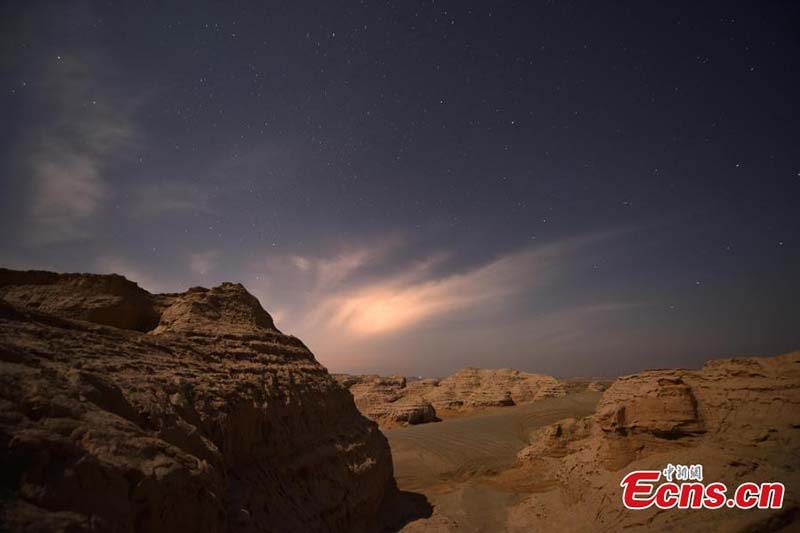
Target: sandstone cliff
x: 739, y: 418
x: 387, y: 400
x: 393, y: 400
x: 477, y: 388
x: 126, y: 411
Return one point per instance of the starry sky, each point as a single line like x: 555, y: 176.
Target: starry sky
x: 575, y: 188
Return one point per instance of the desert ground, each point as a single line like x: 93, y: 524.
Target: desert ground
x: 455, y: 463
x: 556, y: 463
x: 124, y: 410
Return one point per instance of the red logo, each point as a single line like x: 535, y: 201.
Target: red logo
x: 641, y: 490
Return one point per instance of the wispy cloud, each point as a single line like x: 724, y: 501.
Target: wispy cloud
x: 406, y: 299
x: 304, y: 279
x: 202, y: 263
x: 68, y: 153
x: 170, y: 197
x: 381, y: 308
x: 347, y: 304
x: 547, y: 340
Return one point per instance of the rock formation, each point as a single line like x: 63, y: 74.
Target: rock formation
x: 739, y: 418
x: 597, y: 386
x: 387, y: 400
x: 109, y: 300
x: 126, y: 411
x: 476, y: 388
x: 393, y: 400
x: 582, y: 384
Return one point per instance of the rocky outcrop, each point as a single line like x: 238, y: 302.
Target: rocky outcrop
x: 395, y: 401
x: 582, y: 384
x: 388, y: 400
x: 109, y: 300
x: 477, y: 388
x: 126, y: 411
x: 597, y: 386
x: 736, y: 417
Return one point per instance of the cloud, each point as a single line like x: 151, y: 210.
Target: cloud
x: 304, y: 279
x: 66, y: 190
x: 550, y: 341
x: 411, y: 297
x: 201, y: 264
x: 84, y: 131
x: 170, y: 197
x: 356, y: 295
x: 378, y: 309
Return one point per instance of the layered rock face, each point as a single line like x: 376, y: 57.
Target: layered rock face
x: 212, y: 420
x: 393, y: 400
x: 110, y: 300
x: 477, y: 388
x: 739, y: 418
x: 387, y: 400
x: 597, y: 386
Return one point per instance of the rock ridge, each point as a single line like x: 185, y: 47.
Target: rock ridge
x: 125, y: 410
x: 394, y: 400
x: 737, y: 417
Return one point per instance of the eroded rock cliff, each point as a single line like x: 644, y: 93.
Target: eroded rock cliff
x: 126, y: 411
x: 739, y: 418
x: 478, y: 388
x: 388, y: 400
x: 393, y: 400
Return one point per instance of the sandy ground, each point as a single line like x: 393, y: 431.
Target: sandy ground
x: 454, y: 463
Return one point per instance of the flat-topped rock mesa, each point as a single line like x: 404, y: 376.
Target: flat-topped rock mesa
x: 477, y: 388
x: 739, y: 418
x: 393, y: 400
x: 127, y: 411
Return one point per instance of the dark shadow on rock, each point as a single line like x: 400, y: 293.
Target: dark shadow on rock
x: 404, y: 508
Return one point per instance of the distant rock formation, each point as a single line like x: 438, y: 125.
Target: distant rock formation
x: 477, y: 388
x: 597, y: 386
x: 393, y: 401
x: 126, y: 411
x: 387, y: 400
x: 583, y: 384
x: 739, y: 418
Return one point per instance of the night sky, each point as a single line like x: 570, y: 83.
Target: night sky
x: 412, y: 187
